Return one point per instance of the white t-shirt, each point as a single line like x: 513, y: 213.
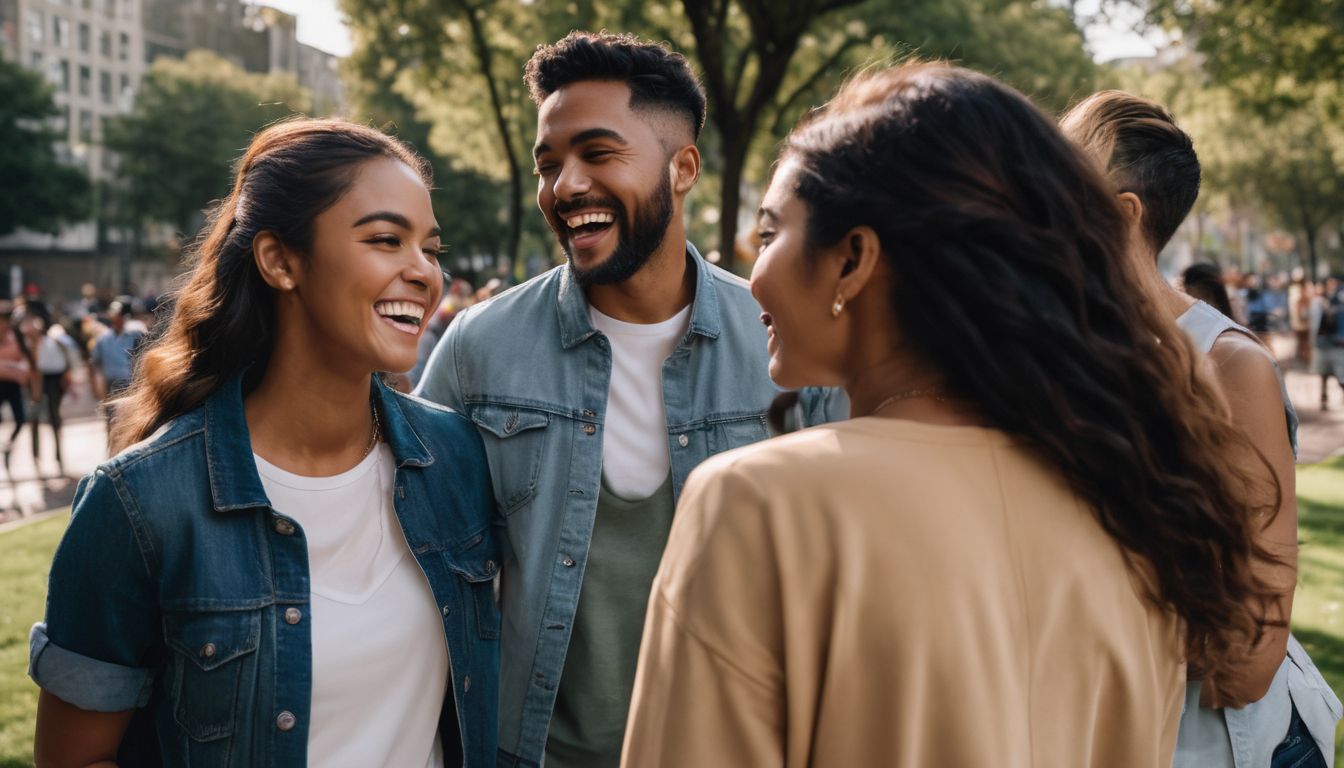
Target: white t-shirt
x: 635, y: 453
x: 380, y: 660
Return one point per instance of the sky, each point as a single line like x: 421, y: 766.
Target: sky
x: 322, y: 26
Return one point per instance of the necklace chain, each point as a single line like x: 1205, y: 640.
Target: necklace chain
x: 937, y: 393
x: 377, y: 429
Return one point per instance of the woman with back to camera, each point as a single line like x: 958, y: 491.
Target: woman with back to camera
x: 1031, y: 524
x: 286, y: 563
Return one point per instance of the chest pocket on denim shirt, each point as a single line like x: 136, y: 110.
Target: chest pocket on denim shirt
x: 210, y: 650
x: 735, y: 433
x: 514, y: 440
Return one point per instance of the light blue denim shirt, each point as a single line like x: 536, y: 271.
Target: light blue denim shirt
x: 1247, y: 737
x: 532, y: 373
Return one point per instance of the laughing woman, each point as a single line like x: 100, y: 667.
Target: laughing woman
x: 286, y: 563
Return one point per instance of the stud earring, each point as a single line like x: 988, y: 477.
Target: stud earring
x: 838, y: 306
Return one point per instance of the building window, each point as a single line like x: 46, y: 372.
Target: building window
x: 36, y: 25
x: 125, y: 95
x: 36, y: 63
x: 124, y: 50
x: 85, y: 126
x: 59, y: 75
x: 85, y: 81
x: 105, y: 86
x: 60, y: 32
x: 105, y: 44
x: 85, y: 38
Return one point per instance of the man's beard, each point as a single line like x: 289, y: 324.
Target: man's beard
x: 638, y: 239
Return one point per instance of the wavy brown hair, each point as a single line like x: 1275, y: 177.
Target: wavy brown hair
x: 222, y: 320
x: 1006, y: 247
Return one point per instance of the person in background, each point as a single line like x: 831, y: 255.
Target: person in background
x: 1005, y: 557
x: 1328, y: 360
x: 1270, y: 706
x: 15, y: 376
x: 112, y: 358
x: 285, y: 563
x: 1204, y: 281
x: 1299, y: 306
x: 56, y: 357
x: 598, y: 385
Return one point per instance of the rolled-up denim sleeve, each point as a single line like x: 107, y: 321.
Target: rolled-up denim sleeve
x: 96, y: 648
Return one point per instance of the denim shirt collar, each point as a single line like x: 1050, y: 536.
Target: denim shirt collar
x: 576, y: 326
x: 234, y: 483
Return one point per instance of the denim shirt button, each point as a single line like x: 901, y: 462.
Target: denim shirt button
x: 589, y: 429
x: 208, y: 650
x: 293, y: 615
x: 284, y: 527
x: 286, y: 721
x: 683, y: 440
x: 568, y: 561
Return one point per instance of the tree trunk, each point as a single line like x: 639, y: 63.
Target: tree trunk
x: 485, y: 57
x: 730, y: 197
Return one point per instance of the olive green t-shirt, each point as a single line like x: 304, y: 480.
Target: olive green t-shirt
x: 591, y: 704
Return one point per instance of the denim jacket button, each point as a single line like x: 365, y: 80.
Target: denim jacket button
x: 683, y: 440
x: 466, y: 683
x: 447, y: 610
x: 489, y: 566
x: 208, y: 650
x: 293, y: 615
x: 589, y: 429
x: 286, y: 721
x: 568, y: 561
x: 588, y: 414
x: 284, y: 527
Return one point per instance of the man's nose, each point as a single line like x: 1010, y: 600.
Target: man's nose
x: 572, y: 183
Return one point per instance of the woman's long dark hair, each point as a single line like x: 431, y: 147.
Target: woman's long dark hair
x: 223, y: 318
x: 1007, y: 249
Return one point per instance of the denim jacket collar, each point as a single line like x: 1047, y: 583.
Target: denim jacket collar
x: 234, y: 483
x: 576, y: 326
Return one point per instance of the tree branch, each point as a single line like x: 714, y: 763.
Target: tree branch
x: 811, y: 81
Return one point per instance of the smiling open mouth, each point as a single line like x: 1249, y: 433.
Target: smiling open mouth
x: 586, y: 229
x: 403, y: 315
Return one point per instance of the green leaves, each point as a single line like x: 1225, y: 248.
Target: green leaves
x: 192, y: 118
x: 39, y: 192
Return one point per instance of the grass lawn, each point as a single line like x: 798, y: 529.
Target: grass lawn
x: 1318, y: 613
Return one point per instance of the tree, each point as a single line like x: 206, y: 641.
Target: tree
x: 192, y: 117
x: 39, y: 192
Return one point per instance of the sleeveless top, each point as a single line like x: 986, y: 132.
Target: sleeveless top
x: 1247, y: 737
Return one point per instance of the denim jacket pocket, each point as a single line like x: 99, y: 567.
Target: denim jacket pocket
x: 210, y: 650
x: 728, y: 434
x: 515, y: 440
x: 477, y: 565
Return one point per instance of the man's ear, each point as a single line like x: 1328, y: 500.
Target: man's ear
x: 278, y: 265
x: 685, y: 168
x: 858, y: 255
x: 1132, y: 207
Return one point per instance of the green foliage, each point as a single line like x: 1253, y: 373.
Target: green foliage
x: 39, y: 192
x: 192, y: 118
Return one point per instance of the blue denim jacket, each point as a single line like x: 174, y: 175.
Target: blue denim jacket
x: 170, y: 589
x: 533, y: 374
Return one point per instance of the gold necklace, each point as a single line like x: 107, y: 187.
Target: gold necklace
x: 937, y: 393
x: 377, y: 430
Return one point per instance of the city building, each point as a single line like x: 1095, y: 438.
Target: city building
x: 94, y: 53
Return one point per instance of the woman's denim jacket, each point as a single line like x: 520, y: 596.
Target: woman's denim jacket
x: 177, y: 590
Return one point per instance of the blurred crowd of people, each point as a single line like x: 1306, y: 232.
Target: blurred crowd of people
x: 43, y: 346
x: 1287, y: 301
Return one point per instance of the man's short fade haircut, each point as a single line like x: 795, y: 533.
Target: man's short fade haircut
x: 657, y: 77
x: 1144, y: 152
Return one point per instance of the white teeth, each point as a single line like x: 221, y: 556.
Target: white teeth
x: 575, y: 222
x: 400, y: 308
